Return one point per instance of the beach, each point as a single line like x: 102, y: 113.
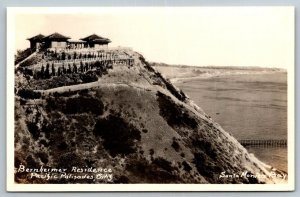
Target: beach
x: 249, y: 106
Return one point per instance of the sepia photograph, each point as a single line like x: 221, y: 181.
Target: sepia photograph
x: 150, y: 99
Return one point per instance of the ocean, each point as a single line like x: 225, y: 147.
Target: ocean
x: 249, y: 106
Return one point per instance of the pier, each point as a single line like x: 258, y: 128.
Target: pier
x: 268, y: 143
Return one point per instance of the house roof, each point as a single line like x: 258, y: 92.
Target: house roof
x: 55, y: 36
x: 91, y: 37
x: 95, y: 38
x: 38, y: 37
x: 101, y: 41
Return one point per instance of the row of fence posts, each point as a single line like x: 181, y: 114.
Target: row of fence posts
x: 128, y: 61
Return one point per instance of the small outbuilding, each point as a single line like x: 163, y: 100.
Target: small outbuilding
x: 95, y: 41
x: 36, y: 42
x: 56, y: 40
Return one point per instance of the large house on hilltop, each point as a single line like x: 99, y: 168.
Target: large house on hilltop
x: 59, y: 41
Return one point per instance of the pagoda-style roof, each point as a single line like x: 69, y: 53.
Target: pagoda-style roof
x: 96, y: 39
x: 91, y: 37
x: 38, y: 37
x: 101, y: 41
x: 56, y: 36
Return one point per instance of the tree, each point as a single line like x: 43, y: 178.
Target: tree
x: 86, y: 66
x: 97, y: 64
x: 53, y: 70
x: 58, y: 71
x: 64, y: 69
x: 75, y: 55
x: 35, y: 75
x: 69, y: 69
x: 42, y: 71
x: 47, y: 71
x: 81, y: 66
x: 63, y: 56
x: 74, y: 68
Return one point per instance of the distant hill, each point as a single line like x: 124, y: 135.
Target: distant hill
x: 182, y: 72
x: 256, y: 68
x: 122, y: 115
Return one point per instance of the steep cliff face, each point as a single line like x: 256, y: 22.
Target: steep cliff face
x: 132, y: 121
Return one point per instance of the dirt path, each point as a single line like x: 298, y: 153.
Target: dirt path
x: 34, y: 53
x: 96, y: 84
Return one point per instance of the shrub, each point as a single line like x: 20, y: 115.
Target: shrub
x: 186, y: 166
x: 28, y: 72
x: 206, y: 147
x: 153, y: 172
x: 43, y: 157
x: 83, y: 105
x: 29, y: 62
x: 175, y: 145
x: 206, y: 166
x: 119, y: 136
x: 178, y: 94
x: 29, y: 94
x: 174, y: 114
x: 33, y: 129
x: 147, y: 65
x: 69, y: 159
x: 89, y: 77
x: 164, y: 164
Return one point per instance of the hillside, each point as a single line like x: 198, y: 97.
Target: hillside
x: 121, y: 115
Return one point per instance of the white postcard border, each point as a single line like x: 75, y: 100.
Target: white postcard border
x: 12, y: 186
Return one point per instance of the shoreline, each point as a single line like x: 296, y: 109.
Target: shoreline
x: 279, y: 156
x: 213, y: 75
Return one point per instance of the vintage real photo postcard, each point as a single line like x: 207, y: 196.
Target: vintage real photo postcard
x: 150, y: 99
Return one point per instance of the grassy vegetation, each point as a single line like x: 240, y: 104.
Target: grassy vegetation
x: 206, y: 146
x: 177, y: 93
x: 158, y: 171
x: 207, y: 167
x: 112, y: 127
x: 63, y: 80
x: 175, y: 115
x: 30, y: 61
x: 22, y: 54
x: 76, y: 105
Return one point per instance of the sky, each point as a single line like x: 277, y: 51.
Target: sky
x: 199, y: 36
